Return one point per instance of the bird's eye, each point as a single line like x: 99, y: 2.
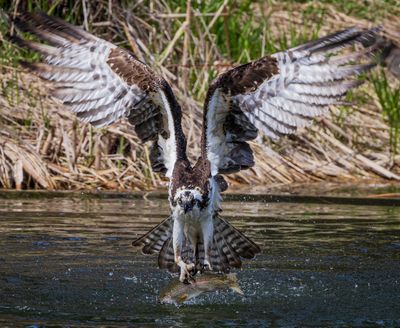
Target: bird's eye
x: 197, y: 189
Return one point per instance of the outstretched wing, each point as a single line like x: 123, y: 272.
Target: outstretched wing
x: 278, y: 94
x: 102, y: 83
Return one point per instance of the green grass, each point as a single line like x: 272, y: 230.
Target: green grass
x: 389, y: 100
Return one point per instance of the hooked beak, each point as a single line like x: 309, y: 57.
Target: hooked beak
x: 187, y: 206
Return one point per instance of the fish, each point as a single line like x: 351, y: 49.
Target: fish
x: 178, y: 293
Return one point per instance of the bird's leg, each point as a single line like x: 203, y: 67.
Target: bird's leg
x: 193, y: 238
x: 177, y: 239
x: 207, y: 228
x: 196, y: 265
x: 196, y: 258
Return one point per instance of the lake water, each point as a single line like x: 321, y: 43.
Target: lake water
x: 69, y: 262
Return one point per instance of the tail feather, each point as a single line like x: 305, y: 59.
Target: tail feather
x: 234, y: 239
x: 219, y: 259
x: 153, y: 241
x: 228, y: 246
x: 166, y: 259
x: 232, y: 258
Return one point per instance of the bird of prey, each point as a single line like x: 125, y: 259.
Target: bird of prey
x: 273, y: 96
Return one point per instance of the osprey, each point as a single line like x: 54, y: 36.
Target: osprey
x: 274, y: 95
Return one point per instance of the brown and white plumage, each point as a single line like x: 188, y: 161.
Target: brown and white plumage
x: 229, y: 245
x: 274, y: 95
x: 103, y: 83
x: 278, y: 94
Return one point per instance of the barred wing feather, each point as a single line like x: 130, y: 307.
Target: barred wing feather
x: 278, y: 94
x: 102, y: 83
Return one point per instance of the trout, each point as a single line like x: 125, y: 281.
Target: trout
x: 178, y: 293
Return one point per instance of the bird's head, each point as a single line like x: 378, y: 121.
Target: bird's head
x: 189, y: 190
x: 189, y: 199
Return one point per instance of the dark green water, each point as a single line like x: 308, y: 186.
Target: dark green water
x: 68, y: 262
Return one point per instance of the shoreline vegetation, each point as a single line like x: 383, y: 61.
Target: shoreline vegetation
x: 43, y: 146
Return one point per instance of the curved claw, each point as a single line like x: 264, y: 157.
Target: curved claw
x: 196, y: 268
x: 206, y: 266
x: 186, y: 268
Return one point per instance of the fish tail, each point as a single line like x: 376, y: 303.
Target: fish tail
x: 234, y: 284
